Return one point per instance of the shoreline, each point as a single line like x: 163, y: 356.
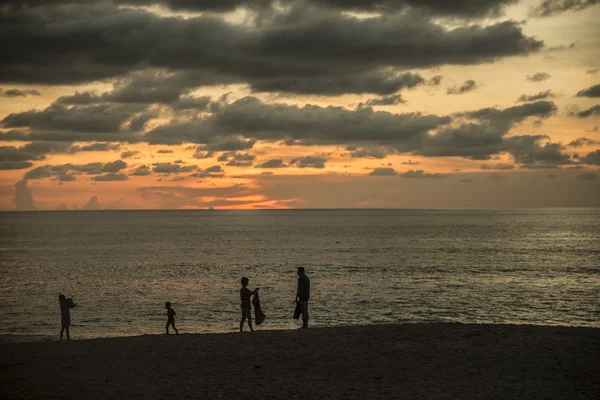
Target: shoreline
x: 442, y: 360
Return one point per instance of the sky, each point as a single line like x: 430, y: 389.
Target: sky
x: 260, y: 104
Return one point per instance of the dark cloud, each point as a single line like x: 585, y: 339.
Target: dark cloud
x: 100, y: 147
x: 111, y: 177
x: 216, y: 171
x: 310, y: 123
x: 467, y: 86
x: 309, y: 162
x: 61, y: 172
x: 23, y: 197
x: 593, y: 91
x: 532, y: 152
x: 593, y: 71
x: 169, y: 168
x: 142, y: 170
x: 547, y: 94
x: 592, y: 158
x: 538, y: 77
x: 235, y: 159
x: 130, y: 154
x: 379, y: 82
x: 582, y: 141
x: 164, y: 151
x: 386, y: 100
x: 275, y: 163
x: 497, y: 167
x: 12, y: 165
x: 118, y: 42
x: 19, y: 93
x: 481, y: 140
x: 420, y: 174
x: 367, y: 152
x: 593, y: 110
x: 104, y: 122
x: 383, y: 172
x: 465, y: 8
x: 548, y: 8
x: 114, y: 166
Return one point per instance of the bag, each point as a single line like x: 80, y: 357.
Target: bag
x: 297, y: 311
x: 259, y: 316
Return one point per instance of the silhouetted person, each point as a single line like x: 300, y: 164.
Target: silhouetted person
x: 302, y: 295
x: 170, y: 318
x: 245, y: 295
x: 65, y: 314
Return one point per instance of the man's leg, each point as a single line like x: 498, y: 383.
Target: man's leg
x: 304, y: 306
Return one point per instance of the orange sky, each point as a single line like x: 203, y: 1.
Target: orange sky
x: 324, y: 173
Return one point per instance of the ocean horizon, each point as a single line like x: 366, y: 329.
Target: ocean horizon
x: 367, y: 266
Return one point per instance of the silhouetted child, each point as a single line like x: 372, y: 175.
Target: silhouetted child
x: 245, y: 295
x: 65, y: 314
x: 170, y: 318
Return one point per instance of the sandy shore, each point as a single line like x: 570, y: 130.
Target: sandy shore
x: 433, y: 361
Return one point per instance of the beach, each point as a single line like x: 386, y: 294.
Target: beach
x: 411, y: 361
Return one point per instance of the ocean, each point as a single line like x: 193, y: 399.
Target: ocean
x: 530, y: 266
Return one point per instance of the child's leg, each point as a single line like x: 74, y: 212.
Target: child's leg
x: 243, y: 320
x: 67, y: 328
x: 62, y: 329
x: 250, y: 320
x: 173, y: 325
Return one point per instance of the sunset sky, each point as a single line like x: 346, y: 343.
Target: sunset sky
x: 245, y: 104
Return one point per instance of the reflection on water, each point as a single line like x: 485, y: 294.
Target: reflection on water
x: 366, y: 266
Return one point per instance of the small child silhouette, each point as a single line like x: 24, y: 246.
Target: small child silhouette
x: 170, y: 318
x: 65, y: 314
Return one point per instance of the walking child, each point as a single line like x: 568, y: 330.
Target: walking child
x: 245, y: 295
x: 170, y: 318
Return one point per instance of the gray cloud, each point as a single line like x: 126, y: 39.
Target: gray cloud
x: 367, y: 152
x: 547, y: 94
x: 114, y: 166
x: 467, y: 86
x: 50, y: 49
x: 549, y: 8
x: 19, y: 92
x: 130, y: 154
x: 593, y: 110
x: 275, y: 163
x: 592, y: 158
x: 582, y: 141
x: 142, y: 170
x: 110, y: 177
x: 309, y: 123
x: 383, y: 172
x: 592, y: 91
x: 497, y: 167
x: 386, y: 100
x: 12, y: 165
x: 169, y: 168
x: 420, y: 174
x: 23, y: 197
x: 538, y: 77
x: 216, y: 171
x: 309, y: 162
x: 410, y: 162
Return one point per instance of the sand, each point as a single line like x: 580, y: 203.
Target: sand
x: 409, y: 361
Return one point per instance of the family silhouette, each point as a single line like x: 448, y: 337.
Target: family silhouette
x: 248, y: 298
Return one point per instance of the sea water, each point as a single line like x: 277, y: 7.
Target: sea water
x: 534, y: 266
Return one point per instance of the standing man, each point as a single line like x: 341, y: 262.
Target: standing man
x: 302, y: 295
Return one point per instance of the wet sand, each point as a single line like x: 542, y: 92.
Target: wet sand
x: 409, y: 361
